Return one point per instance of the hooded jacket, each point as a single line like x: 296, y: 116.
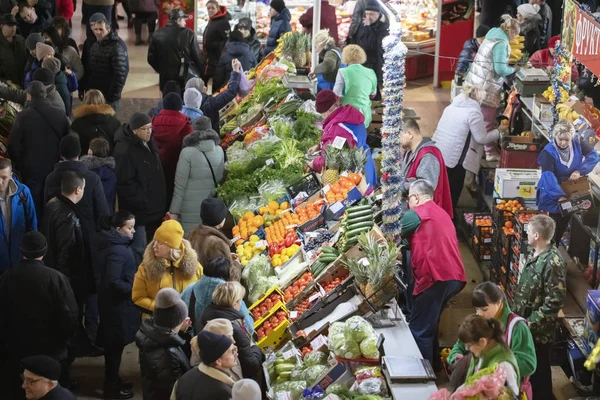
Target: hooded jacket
x: 21, y: 219
x: 210, y: 243
x: 119, y: 318
x: 461, y: 117
x: 154, y: 274
x: 239, y: 50
x: 105, y: 169
x: 467, y: 55
x: 60, y: 82
x: 170, y: 127
x: 252, y: 41
x: 530, y: 28
x: 13, y: 57
x: 370, y: 38
x: 328, y: 20
x: 211, y: 105
x: 141, y: 186
x: 95, y: 120
x: 280, y: 24
x: 214, y: 39
x: 108, y: 67
x: 249, y: 354
x: 194, y: 179
x: 162, y: 360
x: 54, y: 98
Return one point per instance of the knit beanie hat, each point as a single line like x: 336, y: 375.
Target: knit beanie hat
x: 170, y: 233
x: 528, y: 10
x: 278, y: 5
x: 98, y: 17
x: 138, y: 120
x: 236, y: 36
x: 192, y: 97
x: 213, y: 211
x: 37, y: 90
x: 246, y: 389
x: 43, y: 75
x: 220, y: 326
x: 42, y: 50
x: 202, y: 123
x: 481, y: 31
x: 32, y: 40
x: 172, y: 101
x: 33, y: 245
x: 69, y: 147
x: 552, y: 41
x: 53, y: 64
x: 195, y: 83
x: 212, y: 346
x: 169, y: 309
x: 171, y: 87
x: 44, y: 366
x: 372, y: 5
x: 325, y: 99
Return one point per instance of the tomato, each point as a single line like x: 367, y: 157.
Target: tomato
x: 281, y: 314
x: 267, y: 325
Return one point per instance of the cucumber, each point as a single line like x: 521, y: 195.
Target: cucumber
x: 356, y: 209
x: 327, y: 259
x: 329, y: 250
x: 352, y: 227
x: 359, y: 214
x: 357, y: 231
x: 360, y: 219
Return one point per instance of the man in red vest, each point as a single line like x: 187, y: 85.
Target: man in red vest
x: 436, y: 264
x: 423, y: 160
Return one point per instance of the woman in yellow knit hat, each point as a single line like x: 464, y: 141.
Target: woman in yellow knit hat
x: 169, y: 261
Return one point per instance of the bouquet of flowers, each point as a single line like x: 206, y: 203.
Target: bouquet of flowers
x: 487, y: 384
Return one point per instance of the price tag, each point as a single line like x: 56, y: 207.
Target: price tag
x: 291, y: 226
x: 321, y: 290
x: 269, y: 161
x: 261, y: 243
x: 314, y: 297
x: 293, y: 314
x: 289, y: 354
x: 237, y: 131
x: 269, y: 102
x: 286, y: 210
x: 338, y: 142
x: 289, y: 97
x: 379, y: 196
x: 318, y: 342
x: 235, y: 239
x: 336, y: 207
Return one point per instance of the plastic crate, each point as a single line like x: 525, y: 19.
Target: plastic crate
x: 309, y: 184
x: 279, y: 335
x: 486, y: 181
x: 518, y: 159
x: 502, y: 216
x: 259, y: 302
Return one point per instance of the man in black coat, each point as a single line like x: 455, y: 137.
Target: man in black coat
x: 13, y: 55
x: 108, y: 64
x: 30, y: 20
x: 40, y: 379
x: 33, y: 141
x: 38, y: 313
x: 141, y: 186
x: 167, y: 47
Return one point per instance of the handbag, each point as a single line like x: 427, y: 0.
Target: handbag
x: 187, y: 70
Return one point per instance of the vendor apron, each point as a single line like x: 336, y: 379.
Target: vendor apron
x: 322, y: 83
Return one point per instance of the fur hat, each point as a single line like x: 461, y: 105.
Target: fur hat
x: 212, y: 346
x: 33, y: 245
x: 246, y: 389
x: 169, y: 309
x: 172, y: 102
x: 192, y: 97
x: 42, y: 50
x: 170, y: 233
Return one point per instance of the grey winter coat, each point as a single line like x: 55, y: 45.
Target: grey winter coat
x: 193, y: 179
x: 73, y: 61
x: 459, y: 119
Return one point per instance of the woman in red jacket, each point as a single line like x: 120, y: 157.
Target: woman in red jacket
x: 544, y: 59
x: 328, y: 20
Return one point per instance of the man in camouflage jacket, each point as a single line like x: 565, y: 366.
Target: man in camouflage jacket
x: 539, y: 296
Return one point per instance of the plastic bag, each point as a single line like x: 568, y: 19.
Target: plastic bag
x: 368, y: 348
x: 315, y: 358
x: 312, y: 374
x: 370, y: 386
x: 348, y: 349
x: 246, y: 86
x: 294, y: 388
x: 359, y: 329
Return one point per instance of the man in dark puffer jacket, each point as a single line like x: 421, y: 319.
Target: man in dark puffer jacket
x: 470, y: 48
x: 108, y: 63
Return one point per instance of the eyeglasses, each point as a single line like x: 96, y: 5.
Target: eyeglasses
x: 29, y: 381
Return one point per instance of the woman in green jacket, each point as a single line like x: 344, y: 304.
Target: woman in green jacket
x: 355, y: 84
x: 489, y: 302
x: 484, y: 339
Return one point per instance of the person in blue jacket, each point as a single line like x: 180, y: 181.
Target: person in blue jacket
x: 17, y: 216
x: 566, y: 158
x: 280, y: 24
x: 236, y: 48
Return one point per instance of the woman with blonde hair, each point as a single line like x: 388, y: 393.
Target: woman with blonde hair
x: 93, y: 119
x: 356, y: 84
x: 169, y: 262
x: 490, y: 67
x: 226, y: 303
x: 331, y: 60
x: 460, y: 136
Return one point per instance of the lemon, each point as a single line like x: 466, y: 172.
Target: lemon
x: 254, y: 238
x: 284, y: 259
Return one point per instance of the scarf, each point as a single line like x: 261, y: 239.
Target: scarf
x: 565, y: 155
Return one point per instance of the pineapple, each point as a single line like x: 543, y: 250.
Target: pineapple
x: 360, y: 158
x: 308, y: 47
x: 382, y: 256
x: 332, y: 165
x: 346, y: 159
x: 300, y: 49
x: 289, y: 45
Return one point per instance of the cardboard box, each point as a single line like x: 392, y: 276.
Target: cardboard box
x: 579, y: 196
x: 591, y: 325
x: 521, y: 143
x: 510, y: 183
x: 542, y: 109
x: 337, y: 371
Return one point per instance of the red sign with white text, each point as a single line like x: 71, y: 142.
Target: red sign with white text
x: 581, y: 36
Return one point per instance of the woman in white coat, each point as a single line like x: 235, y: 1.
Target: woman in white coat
x: 200, y: 168
x: 460, y: 136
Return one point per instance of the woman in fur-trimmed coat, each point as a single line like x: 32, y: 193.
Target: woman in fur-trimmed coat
x: 95, y: 120
x: 194, y: 180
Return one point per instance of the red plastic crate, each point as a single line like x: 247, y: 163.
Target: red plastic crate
x: 519, y: 159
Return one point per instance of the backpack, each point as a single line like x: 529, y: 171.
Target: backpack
x: 513, y: 320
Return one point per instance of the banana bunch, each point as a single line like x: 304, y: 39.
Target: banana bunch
x: 565, y: 112
x: 550, y: 96
x: 279, y: 49
x: 516, y: 49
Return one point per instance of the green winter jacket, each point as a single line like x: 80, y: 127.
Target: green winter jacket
x: 193, y: 179
x: 496, y: 355
x: 540, y: 293
x: 521, y: 345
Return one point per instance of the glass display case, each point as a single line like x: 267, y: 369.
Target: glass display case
x: 418, y: 19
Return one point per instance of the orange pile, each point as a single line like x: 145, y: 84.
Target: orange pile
x: 339, y: 190
x: 276, y: 233
x: 487, y: 221
x: 511, y: 206
x: 309, y: 210
x: 508, y: 228
x: 247, y: 225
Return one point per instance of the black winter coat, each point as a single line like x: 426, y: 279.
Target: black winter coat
x: 252, y: 41
x: 38, y: 311
x: 141, y: 187
x: 119, y: 318
x: 370, y: 37
x: 34, y: 138
x: 211, y: 105
x: 108, y: 67
x: 239, y: 50
x: 492, y: 10
x: 162, y: 360
x: 466, y: 56
x: 164, y: 53
x: 60, y: 82
x: 197, y: 385
x: 67, y: 251
x: 250, y: 356
x: 25, y: 29
x: 92, y: 121
x: 93, y: 204
x: 13, y: 58
x: 214, y: 39
x: 531, y: 30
